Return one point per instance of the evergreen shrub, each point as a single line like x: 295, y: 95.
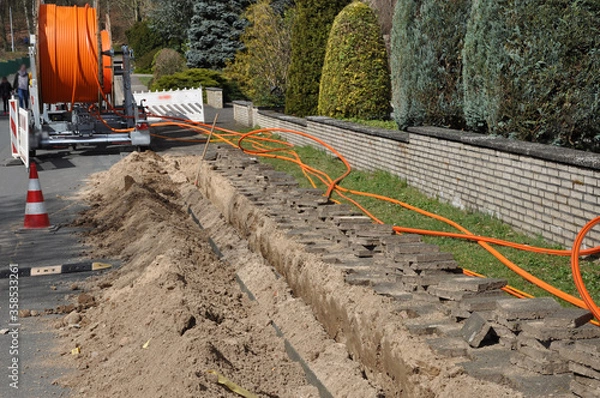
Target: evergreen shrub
x: 355, y: 82
x: 426, y: 40
x: 532, y: 71
x: 310, y: 30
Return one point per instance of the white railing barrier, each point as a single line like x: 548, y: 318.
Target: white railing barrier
x: 19, y: 132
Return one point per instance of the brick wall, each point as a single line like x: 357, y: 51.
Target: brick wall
x: 242, y: 113
x: 214, y: 97
x: 538, y: 189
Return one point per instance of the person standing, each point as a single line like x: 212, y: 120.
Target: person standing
x: 5, y: 90
x: 21, y: 84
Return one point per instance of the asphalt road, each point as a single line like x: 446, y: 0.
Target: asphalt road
x: 61, y: 174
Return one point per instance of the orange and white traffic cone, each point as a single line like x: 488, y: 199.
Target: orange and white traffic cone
x: 35, y: 210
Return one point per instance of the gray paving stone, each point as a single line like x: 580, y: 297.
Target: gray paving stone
x: 541, y: 331
x: 425, y: 278
x: 587, y: 381
x: 448, y: 347
x: 541, y: 366
x: 352, y: 220
x: 423, y: 257
x: 488, y: 364
x: 412, y: 248
x: 425, y: 326
x: 480, y: 303
x: 392, y: 289
x: 583, y: 391
x: 521, y: 309
x: 475, y: 330
x: 392, y: 240
x: 569, y: 317
x: 364, y: 241
x: 449, y: 265
x: 514, y: 326
x: 458, y: 295
x: 474, y: 284
x: 368, y: 278
x: 537, y: 385
x: 567, y: 351
x: 583, y: 370
x: 591, y: 346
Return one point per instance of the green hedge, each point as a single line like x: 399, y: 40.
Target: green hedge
x: 426, y: 41
x: 194, y: 78
x: 310, y: 30
x: 355, y: 82
x: 532, y: 71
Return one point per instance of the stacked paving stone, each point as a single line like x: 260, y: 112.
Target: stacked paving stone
x: 552, y: 347
x: 584, y: 362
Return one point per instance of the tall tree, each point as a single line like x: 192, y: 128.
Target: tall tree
x: 214, y: 33
x: 171, y: 19
x: 309, y: 38
x: 261, y: 68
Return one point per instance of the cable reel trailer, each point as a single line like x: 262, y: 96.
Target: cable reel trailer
x: 76, y: 82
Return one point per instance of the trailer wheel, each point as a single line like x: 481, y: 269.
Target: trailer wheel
x: 141, y: 148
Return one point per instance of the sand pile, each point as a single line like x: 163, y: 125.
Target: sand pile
x: 173, y: 311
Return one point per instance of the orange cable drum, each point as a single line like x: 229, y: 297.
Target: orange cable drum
x: 107, y: 71
x: 67, y: 49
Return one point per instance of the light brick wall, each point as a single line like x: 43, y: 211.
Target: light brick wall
x: 538, y: 189
x: 214, y: 97
x: 243, y: 113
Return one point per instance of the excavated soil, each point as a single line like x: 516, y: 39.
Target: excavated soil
x: 174, y: 310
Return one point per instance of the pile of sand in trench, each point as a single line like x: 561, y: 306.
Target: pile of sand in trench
x: 172, y: 293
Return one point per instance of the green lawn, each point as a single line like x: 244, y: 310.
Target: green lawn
x: 552, y: 269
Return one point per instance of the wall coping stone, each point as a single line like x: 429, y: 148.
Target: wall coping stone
x: 213, y: 89
x: 242, y: 103
x: 551, y: 153
x: 286, y: 118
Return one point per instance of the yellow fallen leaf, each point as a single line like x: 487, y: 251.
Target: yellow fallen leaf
x: 75, y: 351
x: 232, y: 386
x: 147, y: 343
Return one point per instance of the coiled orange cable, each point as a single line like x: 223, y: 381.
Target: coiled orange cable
x: 67, y: 50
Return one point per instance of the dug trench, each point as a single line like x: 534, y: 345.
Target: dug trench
x: 211, y: 283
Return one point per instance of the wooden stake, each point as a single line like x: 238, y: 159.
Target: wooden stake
x: 212, y: 129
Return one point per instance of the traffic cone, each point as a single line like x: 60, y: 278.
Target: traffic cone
x: 35, y: 208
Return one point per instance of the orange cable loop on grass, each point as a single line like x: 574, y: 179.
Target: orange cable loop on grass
x: 259, y: 149
x: 482, y: 241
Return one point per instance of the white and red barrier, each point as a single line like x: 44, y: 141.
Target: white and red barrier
x: 19, y: 132
x: 186, y: 104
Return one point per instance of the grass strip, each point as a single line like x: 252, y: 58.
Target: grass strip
x: 552, y: 269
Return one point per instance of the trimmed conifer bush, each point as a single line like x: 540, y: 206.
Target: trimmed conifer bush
x: 310, y: 30
x: 355, y: 82
x: 426, y: 40
x: 532, y: 71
